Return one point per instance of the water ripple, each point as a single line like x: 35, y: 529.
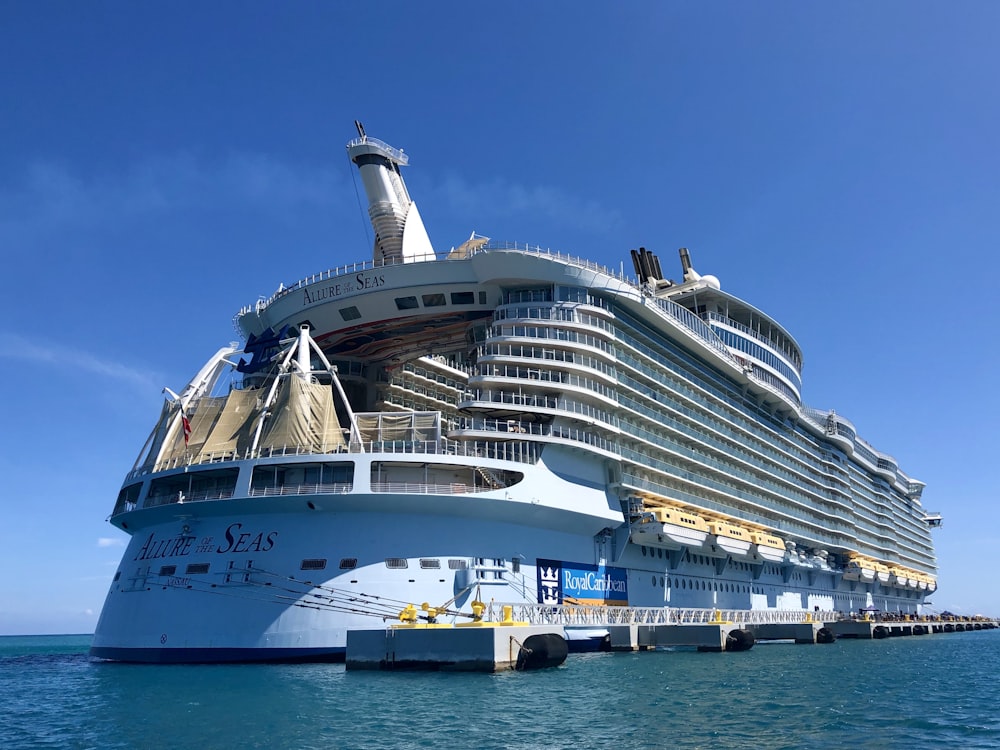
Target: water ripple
x: 912, y: 693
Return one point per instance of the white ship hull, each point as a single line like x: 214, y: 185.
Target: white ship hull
x: 269, y: 609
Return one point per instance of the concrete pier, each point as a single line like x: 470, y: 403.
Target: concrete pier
x: 705, y: 637
x: 485, y: 647
x: 800, y: 632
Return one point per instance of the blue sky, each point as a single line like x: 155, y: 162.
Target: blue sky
x: 162, y: 165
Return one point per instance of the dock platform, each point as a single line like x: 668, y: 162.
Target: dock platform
x: 489, y: 647
x: 535, y: 636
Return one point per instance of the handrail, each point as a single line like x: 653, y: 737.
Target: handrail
x: 503, y: 450
x: 335, y: 488
x: 395, y: 153
x: 571, y: 614
x: 792, y: 354
x: 367, y: 265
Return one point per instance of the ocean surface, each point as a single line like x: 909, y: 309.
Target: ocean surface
x: 935, y: 691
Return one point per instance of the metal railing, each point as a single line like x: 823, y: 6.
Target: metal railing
x: 595, y: 616
x: 519, y: 451
x: 335, y: 488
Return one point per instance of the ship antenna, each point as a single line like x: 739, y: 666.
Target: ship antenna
x: 361, y: 130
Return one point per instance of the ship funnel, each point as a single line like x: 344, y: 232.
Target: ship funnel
x: 689, y: 273
x: 400, y: 236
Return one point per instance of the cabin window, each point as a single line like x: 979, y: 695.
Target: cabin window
x: 457, y: 565
x: 430, y: 564
x: 407, y: 303
x: 168, y: 570
x: 313, y: 564
x: 463, y: 298
x: 350, y: 313
x: 348, y: 563
x: 396, y: 563
x: 196, y: 568
x: 433, y: 300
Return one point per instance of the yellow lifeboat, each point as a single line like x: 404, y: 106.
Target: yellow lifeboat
x: 731, y: 537
x: 771, y: 548
x: 881, y: 571
x: 899, y: 576
x: 860, y: 568
x: 671, y: 528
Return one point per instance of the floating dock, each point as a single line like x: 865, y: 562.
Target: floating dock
x: 476, y: 646
x: 537, y: 639
x: 490, y: 648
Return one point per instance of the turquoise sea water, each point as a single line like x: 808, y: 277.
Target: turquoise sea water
x: 939, y: 691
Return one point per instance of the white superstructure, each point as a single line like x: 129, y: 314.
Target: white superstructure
x: 498, y: 423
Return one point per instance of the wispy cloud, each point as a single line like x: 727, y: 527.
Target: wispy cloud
x: 51, y: 196
x: 34, y: 351
x: 107, y: 541
x: 503, y: 198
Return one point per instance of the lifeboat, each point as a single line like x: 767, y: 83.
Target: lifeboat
x: 860, y: 569
x: 730, y: 538
x: 671, y: 528
x: 770, y: 548
x: 881, y: 572
x: 899, y: 576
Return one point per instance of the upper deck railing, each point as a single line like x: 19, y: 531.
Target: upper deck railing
x: 794, y: 356
x: 394, y: 153
x: 501, y: 450
x: 368, y: 265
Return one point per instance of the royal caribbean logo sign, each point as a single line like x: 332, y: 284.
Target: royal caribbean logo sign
x: 562, y: 582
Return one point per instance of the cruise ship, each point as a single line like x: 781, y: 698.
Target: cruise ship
x: 429, y: 430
